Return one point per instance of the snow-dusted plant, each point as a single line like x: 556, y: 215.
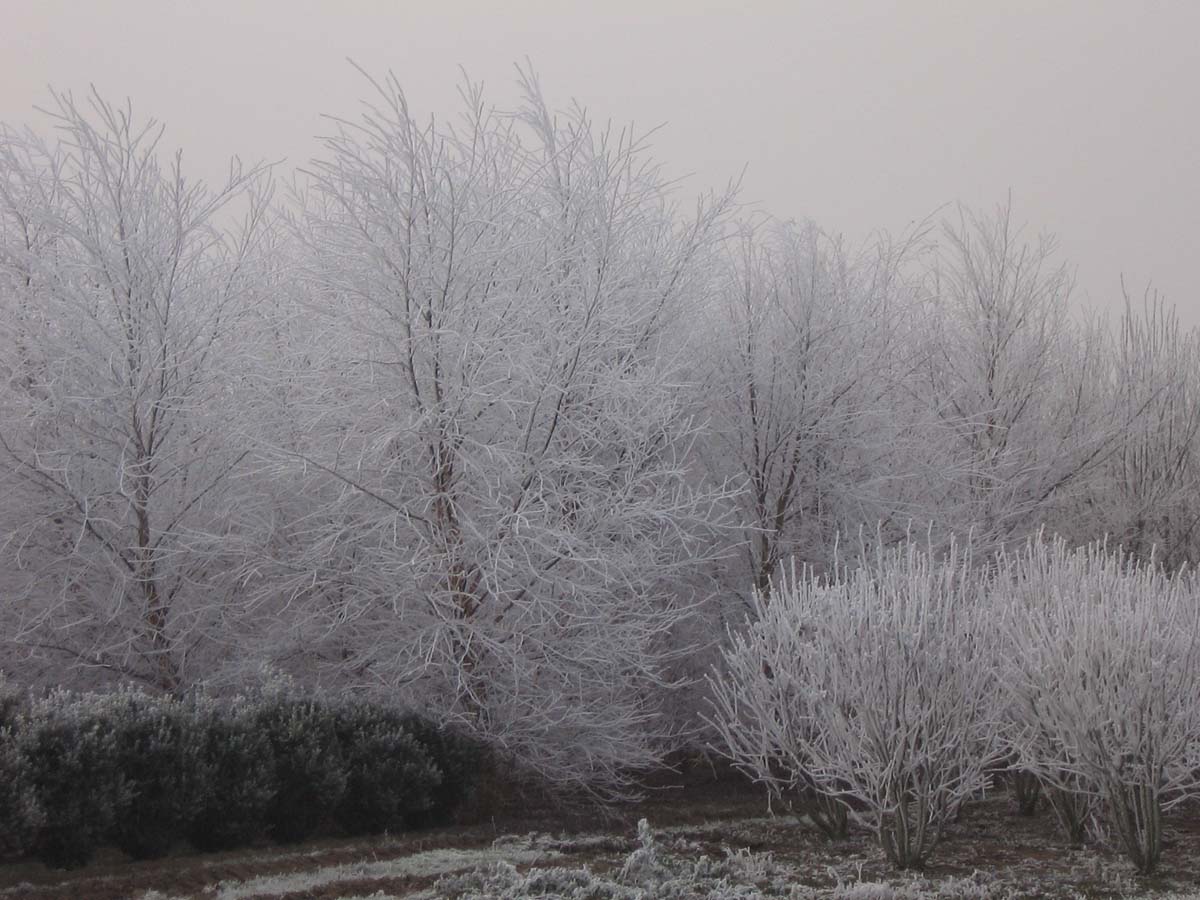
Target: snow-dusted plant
x: 654, y: 870
x: 1147, y: 492
x: 884, y: 688
x: 390, y: 776
x: 149, y: 752
x: 762, y: 711
x: 231, y: 780
x: 464, y: 764
x: 72, y: 766
x: 1103, y: 663
x: 310, y: 767
x: 20, y: 812
x: 1076, y: 807
x: 1019, y: 391
x: 806, y: 343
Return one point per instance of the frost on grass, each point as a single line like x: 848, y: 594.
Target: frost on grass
x: 674, y: 869
x: 664, y: 865
x: 428, y: 863
x: 650, y: 872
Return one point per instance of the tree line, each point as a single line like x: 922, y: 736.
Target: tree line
x: 485, y: 416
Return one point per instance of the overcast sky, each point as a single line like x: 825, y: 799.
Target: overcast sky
x: 859, y: 115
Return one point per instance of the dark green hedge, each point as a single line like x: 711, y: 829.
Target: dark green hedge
x: 230, y: 780
x: 147, y: 773
x: 462, y: 762
x: 72, y: 759
x: 391, y: 778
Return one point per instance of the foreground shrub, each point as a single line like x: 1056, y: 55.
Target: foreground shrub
x: 764, y: 722
x: 230, y: 778
x: 148, y: 752
x: 463, y: 763
x: 892, y: 668
x: 1103, y: 663
x: 20, y: 813
x: 389, y: 774
x: 310, y: 772
x: 70, y: 752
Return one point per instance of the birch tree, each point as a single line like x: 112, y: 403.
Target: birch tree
x: 120, y: 522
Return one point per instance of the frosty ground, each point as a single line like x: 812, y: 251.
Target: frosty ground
x: 713, y: 841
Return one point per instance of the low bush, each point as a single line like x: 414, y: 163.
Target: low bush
x: 389, y: 774
x: 1101, y: 657
x: 144, y: 772
x: 69, y: 750
x: 877, y: 685
x: 1075, y: 808
x: 20, y: 813
x: 463, y: 761
x: 147, y: 743
x: 309, y: 768
x: 229, y: 781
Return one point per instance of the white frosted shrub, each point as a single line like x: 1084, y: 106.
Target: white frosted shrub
x: 879, y: 687
x: 1103, y: 663
x: 762, y: 711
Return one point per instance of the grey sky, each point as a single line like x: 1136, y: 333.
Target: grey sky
x: 856, y: 114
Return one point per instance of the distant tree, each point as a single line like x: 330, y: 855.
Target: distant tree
x: 120, y: 337
x: 1148, y: 494
x: 807, y: 347
x: 1016, y: 385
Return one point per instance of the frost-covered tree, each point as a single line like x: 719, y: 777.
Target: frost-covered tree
x: 1102, y: 661
x: 1016, y: 385
x: 1148, y: 491
x: 495, y: 449
x: 121, y: 524
x: 807, y: 347
x: 878, y: 685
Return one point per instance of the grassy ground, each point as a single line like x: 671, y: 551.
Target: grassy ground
x: 710, y: 840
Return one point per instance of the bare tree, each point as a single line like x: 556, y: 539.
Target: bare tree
x: 119, y: 344
x: 1147, y: 493
x: 1018, y: 387
x: 496, y: 449
x: 808, y: 345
